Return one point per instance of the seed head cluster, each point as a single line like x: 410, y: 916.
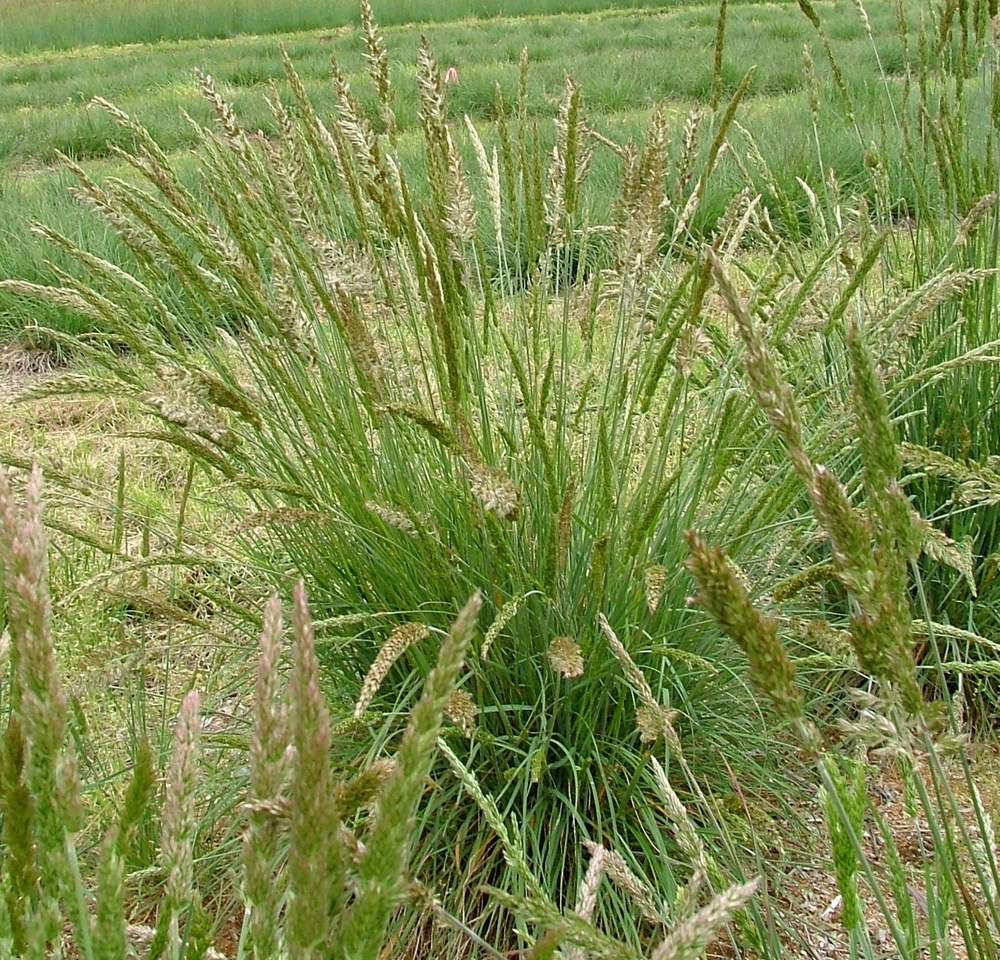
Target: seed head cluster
x: 566, y: 657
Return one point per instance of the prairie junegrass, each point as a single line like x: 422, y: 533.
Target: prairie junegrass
x: 423, y: 417
x: 329, y: 890
x: 466, y: 380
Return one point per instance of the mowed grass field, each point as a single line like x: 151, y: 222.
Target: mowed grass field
x: 627, y: 60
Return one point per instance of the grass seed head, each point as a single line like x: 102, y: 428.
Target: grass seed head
x: 507, y: 613
x: 377, y: 58
x: 570, y: 163
x: 725, y: 600
x: 773, y: 395
x: 655, y: 721
x: 975, y: 217
x: 655, y: 579
x: 566, y: 657
x: 314, y: 869
x: 461, y: 710
x: 690, y: 937
x: 17, y: 805
x: 393, y: 518
x: 266, y: 807
x: 179, y: 820
x: 50, y: 760
x: 619, y: 872
x: 845, y: 858
x: 270, y: 736
x: 400, y: 640
x: 224, y: 114
x: 380, y: 880
x: 586, y: 901
x: 681, y: 824
x: 363, y: 789
x: 495, y: 491
x: 849, y: 533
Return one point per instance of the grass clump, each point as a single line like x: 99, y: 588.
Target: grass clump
x: 324, y: 891
x: 432, y: 387
x: 437, y: 369
x: 83, y: 23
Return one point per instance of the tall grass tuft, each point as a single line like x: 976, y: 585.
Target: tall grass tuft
x: 435, y: 385
x: 331, y: 892
x: 873, y: 551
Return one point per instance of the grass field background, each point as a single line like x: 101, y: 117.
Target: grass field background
x: 53, y: 24
x: 627, y: 59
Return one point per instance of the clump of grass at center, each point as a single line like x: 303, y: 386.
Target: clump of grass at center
x: 430, y: 387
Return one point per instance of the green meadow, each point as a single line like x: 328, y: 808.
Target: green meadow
x: 629, y: 61
x: 499, y: 479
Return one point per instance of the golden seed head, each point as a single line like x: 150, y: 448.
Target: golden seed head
x: 565, y: 657
x: 462, y: 711
x: 656, y: 580
x: 495, y: 490
x: 655, y: 721
x: 400, y: 640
